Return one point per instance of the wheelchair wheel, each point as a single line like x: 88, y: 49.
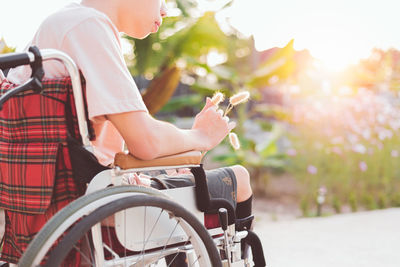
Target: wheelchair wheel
x: 56, y: 227
x: 87, y: 240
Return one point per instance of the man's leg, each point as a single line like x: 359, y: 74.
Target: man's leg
x: 244, y: 202
x: 244, y: 192
x: 219, y: 186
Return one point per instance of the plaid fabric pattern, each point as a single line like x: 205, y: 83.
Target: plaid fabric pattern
x: 36, y: 178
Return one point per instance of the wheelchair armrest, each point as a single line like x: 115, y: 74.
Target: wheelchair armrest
x: 128, y: 161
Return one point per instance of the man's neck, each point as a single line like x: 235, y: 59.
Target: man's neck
x: 109, y: 8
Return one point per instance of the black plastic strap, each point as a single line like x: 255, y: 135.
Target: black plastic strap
x: 217, y: 203
x: 37, y: 64
x: 37, y: 69
x: 256, y: 247
x: 203, y: 199
x: 28, y: 85
x: 202, y: 193
x: 244, y: 223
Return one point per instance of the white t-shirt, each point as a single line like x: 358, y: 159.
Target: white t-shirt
x: 93, y: 42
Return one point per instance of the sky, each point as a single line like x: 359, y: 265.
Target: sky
x: 338, y: 32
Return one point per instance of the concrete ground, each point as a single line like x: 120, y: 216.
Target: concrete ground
x: 350, y: 240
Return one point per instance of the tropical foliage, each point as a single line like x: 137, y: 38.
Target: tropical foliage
x: 182, y: 52
x: 338, y: 133
x: 181, y: 42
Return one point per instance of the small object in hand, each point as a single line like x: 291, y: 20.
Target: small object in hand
x: 217, y: 98
x: 238, y: 98
x: 234, y: 140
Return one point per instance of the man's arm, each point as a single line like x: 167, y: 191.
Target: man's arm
x: 148, y: 138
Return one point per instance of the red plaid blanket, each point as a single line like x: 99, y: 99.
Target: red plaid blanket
x: 36, y: 178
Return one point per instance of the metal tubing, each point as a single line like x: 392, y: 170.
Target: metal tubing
x: 73, y: 71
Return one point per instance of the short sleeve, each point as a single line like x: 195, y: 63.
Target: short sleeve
x: 95, y: 46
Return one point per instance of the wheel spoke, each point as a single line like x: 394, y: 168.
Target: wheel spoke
x: 151, y: 231
x: 110, y: 248
x: 195, y: 261
x: 144, y: 233
x: 82, y: 253
x: 176, y: 255
x: 90, y: 248
x: 166, y: 244
x: 125, y: 238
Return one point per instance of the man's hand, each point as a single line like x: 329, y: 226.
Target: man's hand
x: 211, y: 126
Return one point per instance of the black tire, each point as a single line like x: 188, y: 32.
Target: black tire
x: 40, y: 244
x: 83, y: 227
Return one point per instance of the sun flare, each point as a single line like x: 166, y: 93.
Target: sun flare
x: 337, y: 33
x: 336, y: 56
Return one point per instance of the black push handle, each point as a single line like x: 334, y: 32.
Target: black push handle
x: 223, y: 218
x: 37, y: 65
x: 34, y: 83
x: 13, y: 60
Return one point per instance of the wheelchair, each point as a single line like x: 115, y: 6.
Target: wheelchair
x: 117, y: 224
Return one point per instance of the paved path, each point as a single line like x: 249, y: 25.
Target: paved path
x: 350, y: 240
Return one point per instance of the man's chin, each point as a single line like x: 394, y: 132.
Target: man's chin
x: 138, y: 36
x: 144, y: 36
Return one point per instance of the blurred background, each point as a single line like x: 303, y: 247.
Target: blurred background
x: 320, y: 134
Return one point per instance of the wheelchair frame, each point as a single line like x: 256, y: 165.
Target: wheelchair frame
x: 226, y: 238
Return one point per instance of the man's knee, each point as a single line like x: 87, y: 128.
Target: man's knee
x: 244, y: 190
x: 241, y: 174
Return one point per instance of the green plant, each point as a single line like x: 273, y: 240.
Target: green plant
x: 353, y: 202
x: 382, y: 201
x: 396, y: 200
x: 305, y: 207
x: 369, y: 202
x: 336, y: 204
x: 4, y: 48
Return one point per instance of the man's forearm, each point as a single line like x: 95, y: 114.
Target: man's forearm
x: 148, y: 138
x: 170, y: 139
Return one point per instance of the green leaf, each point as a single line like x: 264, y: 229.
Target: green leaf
x: 204, y: 88
x: 228, y: 158
x: 267, y: 149
x: 4, y: 48
x: 274, y: 163
x: 177, y: 103
x: 280, y: 64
